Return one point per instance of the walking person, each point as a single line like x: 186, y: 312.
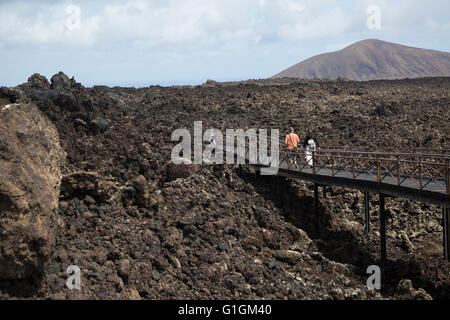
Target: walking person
x: 291, y: 142
x: 212, y: 139
x: 311, y: 144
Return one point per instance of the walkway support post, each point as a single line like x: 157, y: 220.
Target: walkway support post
x: 367, y: 210
x: 382, y: 230
x: 277, y: 181
x: 447, y: 176
x: 445, y: 214
x: 446, y: 227
x: 316, y: 208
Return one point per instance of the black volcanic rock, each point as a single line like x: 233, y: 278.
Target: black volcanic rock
x: 66, y: 100
x: 51, y: 95
x: 99, y: 125
x: 13, y: 95
x: 60, y: 81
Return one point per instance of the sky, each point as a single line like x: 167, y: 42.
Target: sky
x: 176, y: 42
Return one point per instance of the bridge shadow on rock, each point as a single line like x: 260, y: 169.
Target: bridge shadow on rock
x: 343, y: 246
x: 298, y: 208
x: 419, y: 273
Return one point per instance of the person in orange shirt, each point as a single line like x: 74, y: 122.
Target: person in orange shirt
x: 291, y: 142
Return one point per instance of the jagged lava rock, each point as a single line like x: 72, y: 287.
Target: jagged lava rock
x: 38, y: 81
x: 60, y: 80
x: 30, y: 175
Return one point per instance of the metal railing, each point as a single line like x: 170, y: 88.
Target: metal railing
x: 403, y: 169
x: 442, y: 151
x: 427, y: 170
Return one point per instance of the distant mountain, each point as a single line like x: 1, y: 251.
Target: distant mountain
x: 372, y: 60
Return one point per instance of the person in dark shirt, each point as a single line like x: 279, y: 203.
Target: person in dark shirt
x: 310, y: 136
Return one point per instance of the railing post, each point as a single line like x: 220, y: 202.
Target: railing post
x: 316, y: 208
x: 314, y: 162
x: 398, y: 170
x: 300, y: 156
x: 332, y: 164
x: 420, y: 172
x: 378, y: 168
x: 353, y: 164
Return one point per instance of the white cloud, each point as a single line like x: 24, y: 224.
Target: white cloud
x: 410, y: 15
x: 50, y: 24
x: 199, y: 23
x: 329, y: 23
x: 196, y: 23
x: 178, y: 22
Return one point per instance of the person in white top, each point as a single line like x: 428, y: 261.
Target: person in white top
x: 311, y: 144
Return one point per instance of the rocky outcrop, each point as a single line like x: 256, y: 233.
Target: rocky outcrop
x: 30, y: 175
x: 60, y: 81
x: 61, y: 94
x: 10, y: 94
x: 38, y: 81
